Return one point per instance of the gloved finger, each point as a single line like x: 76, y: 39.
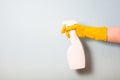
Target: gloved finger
x: 67, y: 34
x: 63, y: 29
x: 70, y: 28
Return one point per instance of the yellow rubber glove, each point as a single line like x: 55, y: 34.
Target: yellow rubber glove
x: 96, y: 33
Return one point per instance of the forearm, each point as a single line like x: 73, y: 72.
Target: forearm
x: 108, y: 34
x: 113, y: 34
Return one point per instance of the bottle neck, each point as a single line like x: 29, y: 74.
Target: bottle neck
x: 73, y: 37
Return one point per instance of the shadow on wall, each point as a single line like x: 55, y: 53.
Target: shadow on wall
x: 89, y: 68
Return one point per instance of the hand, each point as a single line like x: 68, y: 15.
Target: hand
x: 77, y: 27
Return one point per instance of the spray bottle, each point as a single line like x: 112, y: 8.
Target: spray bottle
x: 75, y: 53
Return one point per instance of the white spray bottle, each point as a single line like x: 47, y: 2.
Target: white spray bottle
x: 75, y: 54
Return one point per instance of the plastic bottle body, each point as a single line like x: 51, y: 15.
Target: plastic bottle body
x: 76, y: 56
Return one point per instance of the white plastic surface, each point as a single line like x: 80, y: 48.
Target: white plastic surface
x: 75, y: 53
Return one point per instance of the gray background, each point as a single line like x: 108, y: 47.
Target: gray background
x: 32, y: 48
